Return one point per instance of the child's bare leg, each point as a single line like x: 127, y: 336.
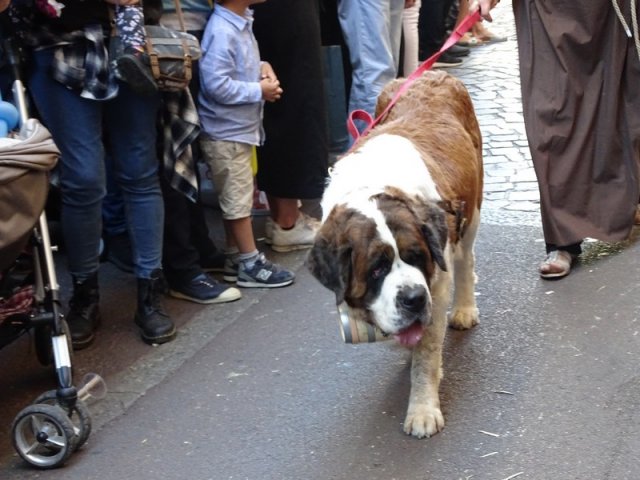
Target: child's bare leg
x: 240, y: 234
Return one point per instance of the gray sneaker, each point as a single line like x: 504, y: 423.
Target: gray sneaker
x: 264, y: 274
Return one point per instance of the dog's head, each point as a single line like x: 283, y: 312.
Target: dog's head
x: 380, y: 255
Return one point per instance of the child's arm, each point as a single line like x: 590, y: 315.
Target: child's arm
x: 218, y: 71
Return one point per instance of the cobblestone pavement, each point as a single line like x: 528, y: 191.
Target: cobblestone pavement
x: 490, y: 73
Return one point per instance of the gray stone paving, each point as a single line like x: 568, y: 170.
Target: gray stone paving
x: 490, y: 73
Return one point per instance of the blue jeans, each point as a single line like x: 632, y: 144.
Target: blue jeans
x: 81, y: 128
x: 114, y: 220
x: 372, y: 30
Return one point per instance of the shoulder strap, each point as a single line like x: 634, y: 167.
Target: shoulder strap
x: 180, y: 16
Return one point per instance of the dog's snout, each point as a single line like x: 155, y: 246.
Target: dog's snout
x: 413, y: 298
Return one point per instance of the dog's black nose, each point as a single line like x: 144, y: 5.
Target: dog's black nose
x: 413, y: 298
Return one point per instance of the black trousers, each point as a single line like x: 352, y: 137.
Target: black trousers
x: 432, y: 28
x: 186, y: 236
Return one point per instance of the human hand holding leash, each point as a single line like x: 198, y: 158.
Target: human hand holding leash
x: 484, y: 6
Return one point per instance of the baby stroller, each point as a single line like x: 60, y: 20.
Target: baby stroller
x: 46, y: 432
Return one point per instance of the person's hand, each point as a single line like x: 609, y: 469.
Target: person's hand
x: 484, y: 6
x: 409, y: 3
x: 266, y: 71
x: 271, y: 90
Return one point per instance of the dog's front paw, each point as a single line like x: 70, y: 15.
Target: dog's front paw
x: 423, y: 421
x: 463, y: 318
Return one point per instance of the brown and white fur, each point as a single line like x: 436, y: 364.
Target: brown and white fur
x: 400, y: 216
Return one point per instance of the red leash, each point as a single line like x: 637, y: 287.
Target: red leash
x: 464, y: 26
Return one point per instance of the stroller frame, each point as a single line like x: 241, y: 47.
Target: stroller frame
x: 57, y: 423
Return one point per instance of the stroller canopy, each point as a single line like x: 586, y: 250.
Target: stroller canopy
x: 24, y: 184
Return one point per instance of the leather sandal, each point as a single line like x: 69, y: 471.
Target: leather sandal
x: 556, y: 265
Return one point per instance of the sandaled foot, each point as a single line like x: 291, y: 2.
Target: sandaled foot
x: 468, y: 40
x: 556, y: 265
x: 485, y: 35
x: 492, y: 39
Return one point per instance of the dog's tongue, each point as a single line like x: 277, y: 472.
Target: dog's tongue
x: 410, y: 336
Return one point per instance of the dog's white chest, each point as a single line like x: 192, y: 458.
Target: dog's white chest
x: 384, y: 161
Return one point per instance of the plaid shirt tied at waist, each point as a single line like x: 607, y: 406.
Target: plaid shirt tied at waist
x: 81, y: 59
x: 179, y: 127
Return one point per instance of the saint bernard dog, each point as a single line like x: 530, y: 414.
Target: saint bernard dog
x: 400, y: 215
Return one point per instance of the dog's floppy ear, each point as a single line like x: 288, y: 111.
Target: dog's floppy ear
x: 329, y: 264
x: 435, y: 233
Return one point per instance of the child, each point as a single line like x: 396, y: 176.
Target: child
x: 234, y: 84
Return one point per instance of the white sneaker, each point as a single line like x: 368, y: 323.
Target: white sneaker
x: 299, y: 237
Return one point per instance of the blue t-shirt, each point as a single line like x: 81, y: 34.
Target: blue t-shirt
x: 230, y: 100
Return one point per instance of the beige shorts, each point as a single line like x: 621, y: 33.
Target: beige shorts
x: 230, y: 165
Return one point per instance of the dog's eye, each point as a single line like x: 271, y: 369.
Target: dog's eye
x: 378, y: 272
x: 381, y: 268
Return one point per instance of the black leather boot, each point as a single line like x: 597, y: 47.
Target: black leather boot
x: 155, y: 325
x: 83, y: 317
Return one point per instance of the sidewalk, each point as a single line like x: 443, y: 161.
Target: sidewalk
x: 131, y: 368
x: 263, y: 389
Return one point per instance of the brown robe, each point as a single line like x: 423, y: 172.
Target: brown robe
x: 580, y: 79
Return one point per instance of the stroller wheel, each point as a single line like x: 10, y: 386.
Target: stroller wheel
x: 43, y: 435
x: 78, y: 414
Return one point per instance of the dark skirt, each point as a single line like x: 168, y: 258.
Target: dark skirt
x: 581, y: 97
x: 293, y: 162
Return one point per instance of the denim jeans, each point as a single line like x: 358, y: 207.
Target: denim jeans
x: 372, y: 30
x: 81, y: 128
x: 114, y: 219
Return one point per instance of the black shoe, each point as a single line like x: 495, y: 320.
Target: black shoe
x: 132, y: 67
x: 213, y: 263
x: 458, y: 51
x: 204, y: 289
x: 118, y: 251
x: 155, y: 325
x: 447, y: 60
x: 83, y: 317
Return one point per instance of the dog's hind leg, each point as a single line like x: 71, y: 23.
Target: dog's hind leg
x: 424, y: 417
x: 464, y: 312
